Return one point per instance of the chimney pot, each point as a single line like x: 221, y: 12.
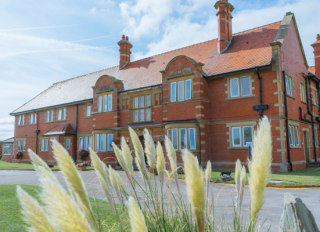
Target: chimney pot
x: 318, y: 37
x: 123, y: 37
x: 316, y: 51
x: 125, y: 52
x: 127, y: 38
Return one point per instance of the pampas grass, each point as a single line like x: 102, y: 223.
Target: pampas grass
x: 137, y: 220
x: 195, y: 188
x: 149, y: 148
x: 138, y: 150
x: 260, y: 166
x: 127, y: 156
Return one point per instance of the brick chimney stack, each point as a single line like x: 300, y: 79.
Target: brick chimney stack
x: 224, y: 9
x: 316, y: 51
x: 125, y: 52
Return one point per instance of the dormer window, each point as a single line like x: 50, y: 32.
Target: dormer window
x: 180, y: 90
x: 105, y: 103
x: 142, y: 108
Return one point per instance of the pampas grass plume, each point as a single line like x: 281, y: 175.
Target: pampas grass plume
x: 260, y: 165
x: 171, y: 154
x: 195, y: 188
x: 149, y: 148
x: 161, y: 163
x: 137, y: 220
x: 33, y: 213
x: 126, y: 154
x: 138, y: 149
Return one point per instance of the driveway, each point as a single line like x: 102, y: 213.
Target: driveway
x: 223, y: 195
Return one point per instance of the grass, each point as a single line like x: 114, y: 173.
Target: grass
x: 11, y: 218
x: 304, y: 177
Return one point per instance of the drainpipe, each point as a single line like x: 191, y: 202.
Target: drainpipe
x: 37, y: 133
x: 200, y: 155
x: 76, y: 135
x: 286, y: 117
x: 261, y: 107
x: 312, y: 121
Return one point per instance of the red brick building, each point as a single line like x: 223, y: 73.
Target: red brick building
x: 207, y: 97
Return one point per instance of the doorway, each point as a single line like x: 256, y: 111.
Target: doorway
x: 306, y: 146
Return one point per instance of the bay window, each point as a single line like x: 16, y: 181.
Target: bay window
x: 103, y: 142
x: 182, y: 138
x: 85, y: 142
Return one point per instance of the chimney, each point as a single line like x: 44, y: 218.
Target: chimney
x: 224, y: 9
x: 125, y: 52
x: 316, y: 51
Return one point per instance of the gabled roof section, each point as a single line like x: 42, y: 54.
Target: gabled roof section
x: 248, y: 49
x: 61, y: 129
x: 10, y: 140
x: 282, y: 32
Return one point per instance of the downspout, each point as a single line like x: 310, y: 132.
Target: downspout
x: 37, y: 133
x: 286, y: 117
x: 200, y: 155
x: 312, y: 121
x: 260, y: 92
x: 318, y: 89
x: 76, y: 135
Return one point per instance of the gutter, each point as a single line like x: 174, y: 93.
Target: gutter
x: 286, y: 117
x: 240, y: 71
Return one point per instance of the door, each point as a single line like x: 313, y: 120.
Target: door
x: 306, y: 146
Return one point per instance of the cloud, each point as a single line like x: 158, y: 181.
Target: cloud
x: 6, y: 127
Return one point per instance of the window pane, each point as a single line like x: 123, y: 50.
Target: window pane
x: 148, y: 100
x: 188, y: 89
x: 88, y: 112
x: 141, y: 115
x: 42, y: 145
x: 96, y: 142
x: 103, y: 142
x: 24, y: 145
x: 314, y: 97
x: 64, y: 113
x: 59, y: 114
x: 136, y: 102
x: 105, y: 103
x: 90, y: 142
x: 148, y: 114
x: 80, y: 143
x: 169, y: 134
x: 245, y: 86
x: 180, y: 90
x: 183, y: 138
x: 136, y: 116
x: 192, y: 138
x: 247, y: 135
x: 110, y: 139
x: 141, y: 101
x: 173, y: 94
x: 68, y: 144
x: 51, y: 115
x: 236, y: 136
x: 35, y: 118
x: 175, y: 138
x: 110, y: 102
x: 234, y: 87
x: 46, y: 144
x: 31, y: 119
x: 297, y: 136
x: 85, y: 143
x: 290, y: 135
x: 47, y: 116
x: 100, y: 104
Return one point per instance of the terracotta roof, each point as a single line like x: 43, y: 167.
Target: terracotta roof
x: 248, y: 49
x: 312, y: 69
x: 60, y: 129
x: 11, y: 140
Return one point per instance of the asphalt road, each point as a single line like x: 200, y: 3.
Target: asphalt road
x: 223, y: 196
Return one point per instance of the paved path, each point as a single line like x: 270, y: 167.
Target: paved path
x: 223, y: 194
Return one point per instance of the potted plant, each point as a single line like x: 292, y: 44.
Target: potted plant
x: 83, y: 155
x: 19, y: 155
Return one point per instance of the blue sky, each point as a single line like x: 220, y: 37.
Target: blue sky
x: 42, y: 42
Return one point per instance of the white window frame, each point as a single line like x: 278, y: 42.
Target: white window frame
x: 294, y: 136
x: 302, y: 93
x: 314, y: 97
x: 88, y: 110
x: 173, y: 91
x: 100, y: 104
x: 21, y: 145
x: 80, y: 145
x: 49, y: 116
x: 244, y: 143
x: 289, y: 86
x: 232, y: 136
x: 186, y: 139
x: 142, y: 109
x: 7, y: 149
x: 194, y: 137
x: 238, y: 87
x: 110, y: 140
x: 96, y: 143
x: 68, y: 144
x: 110, y: 102
x: 62, y: 114
x: 241, y: 86
x: 33, y: 119
x: 21, y: 120
x: 44, y: 145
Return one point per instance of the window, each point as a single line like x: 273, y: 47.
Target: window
x: 302, y: 93
x: 7, y: 149
x: 173, y: 136
x: 105, y: 103
x: 240, y: 87
x: 294, y: 138
x: 314, y: 97
x: 289, y: 86
x: 44, y: 145
x: 182, y: 89
x: 182, y: 138
x: 102, y: 142
x: 88, y: 110
x: 192, y: 138
x: 68, y: 142
x: 62, y: 114
x: 33, y: 119
x: 49, y: 116
x: 21, y: 120
x: 241, y: 136
x: 21, y: 145
x: 142, y: 108
x: 85, y: 143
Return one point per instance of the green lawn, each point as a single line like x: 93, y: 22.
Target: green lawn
x: 11, y: 218
x: 15, y: 166
x: 303, y: 177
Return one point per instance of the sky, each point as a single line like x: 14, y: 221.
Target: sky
x: 46, y: 41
